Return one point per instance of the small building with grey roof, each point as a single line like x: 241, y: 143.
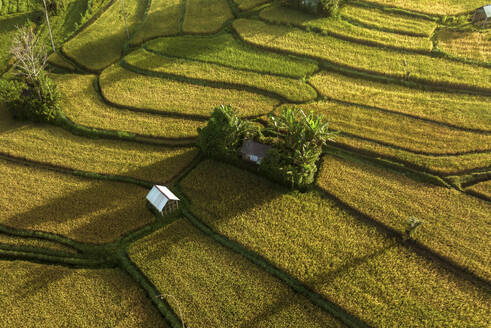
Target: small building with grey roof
x: 254, y: 151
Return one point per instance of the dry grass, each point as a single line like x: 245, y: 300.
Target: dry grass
x: 435, y: 7
x: 483, y: 188
x: 455, y: 225
x: 470, y: 45
x: 130, y: 89
x: 206, y: 16
x: 49, y: 144
x: 278, y: 14
x: 82, y: 209
x: 291, y: 89
x: 215, y: 287
x: 361, y: 57
x: 81, y: 104
x: 351, y: 263
x: 406, y: 132
x: 468, y: 111
x: 163, y: 19
x: 36, y: 295
x: 101, y: 44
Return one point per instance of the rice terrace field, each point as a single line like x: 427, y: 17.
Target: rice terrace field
x: 395, y: 230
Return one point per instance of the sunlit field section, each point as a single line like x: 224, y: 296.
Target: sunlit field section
x: 332, y: 251
x: 291, y: 89
x: 163, y: 19
x: 37, y: 295
x: 482, y: 188
x: 466, y: 111
x: 249, y: 4
x: 206, y: 16
x: 126, y: 88
x: 53, y: 145
x: 416, y: 67
x: 391, y: 22
x: 434, y: 7
x: 7, y: 31
x: 470, y: 45
x: 59, y: 61
x: 101, y: 44
x: 226, y: 50
x: 214, y: 287
x: 82, y: 105
x: 455, y: 224
x: 399, y: 130
x: 343, y: 29
x: 82, y: 209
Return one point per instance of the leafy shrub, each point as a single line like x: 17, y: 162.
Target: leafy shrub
x: 326, y: 8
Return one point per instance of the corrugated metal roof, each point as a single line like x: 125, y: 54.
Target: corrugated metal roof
x: 166, y: 192
x: 250, y: 147
x: 487, y: 10
x: 159, y: 196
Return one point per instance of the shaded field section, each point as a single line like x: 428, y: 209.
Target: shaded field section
x: 82, y: 104
x: 481, y: 188
x: 460, y: 110
x: 214, y: 287
x: 249, y: 4
x: 82, y: 209
x: 455, y: 224
x: 126, y: 88
x: 36, y: 295
x: 206, y: 16
x: 101, y: 44
x: 163, y: 19
x: 469, y: 45
x: 400, y: 131
x: 433, y: 7
x: 343, y: 29
x: 333, y: 251
x: 416, y: 67
x: 55, y: 146
x: 291, y: 89
x: 32, y: 242
x: 226, y: 50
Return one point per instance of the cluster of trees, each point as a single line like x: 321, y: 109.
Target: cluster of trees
x: 325, y: 8
x: 296, y: 141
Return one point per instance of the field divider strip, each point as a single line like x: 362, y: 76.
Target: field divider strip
x: 395, y: 10
x: 358, y: 23
x: 317, y: 299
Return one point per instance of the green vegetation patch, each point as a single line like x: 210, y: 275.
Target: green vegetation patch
x: 249, y: 4
x: 163, y: 19
x: 101, y: 43
x: 8, y: 29
x: 211, y: 286
x: 126, y: 88
x: 454, y: 224
x: 385, y: 21
x: 53, y: 145
x: 332, y: 251
x: 470, y: 45
x: 482, y: 188
x: 365, y: 58
x: 291, y: 89
x: 57, y: 60
x: 34, y: 295
x: 399, y: 130
x: 226, y: 50
x: 434, y: 7
x: 467, y: 111
x: 82, y: 104
x: 206, y: 16
x: 82, y: 209
x: 337, y: 27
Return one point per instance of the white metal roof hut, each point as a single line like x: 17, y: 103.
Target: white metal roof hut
x: 163, y: 199
x: 482, y: 15
x: 254, y: 151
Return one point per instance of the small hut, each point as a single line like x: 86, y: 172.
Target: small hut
x: 254, y: 151
x: 482, y: 16
x: 163, y: 199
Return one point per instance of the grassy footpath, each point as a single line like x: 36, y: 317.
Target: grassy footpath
x: 53, y: 145
x: 292, y: 90
x: 101, y: 44
x: 343, y: 29
x: 127, y: 88
x: 455, y: 225
x: 481, y: 188
x: 82, y: 105
x: 226, y: 50
x: 385, y: 21
x: 206, y: 16
x: 163, y: 19
x: 434, y: 7
x: 466, y: 111
x: 36, y: 295
x: 81, y: 209
x: 415, y: 67
x: 214, y: 287
x: 470, y: 45
x: 333, y: 252
x: 399, y: 130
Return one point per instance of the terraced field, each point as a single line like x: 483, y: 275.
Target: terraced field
x: 408, y: 92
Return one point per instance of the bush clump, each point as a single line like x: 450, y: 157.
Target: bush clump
x: 325, y: 8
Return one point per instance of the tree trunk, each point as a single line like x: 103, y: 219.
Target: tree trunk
x: 49, y: 27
